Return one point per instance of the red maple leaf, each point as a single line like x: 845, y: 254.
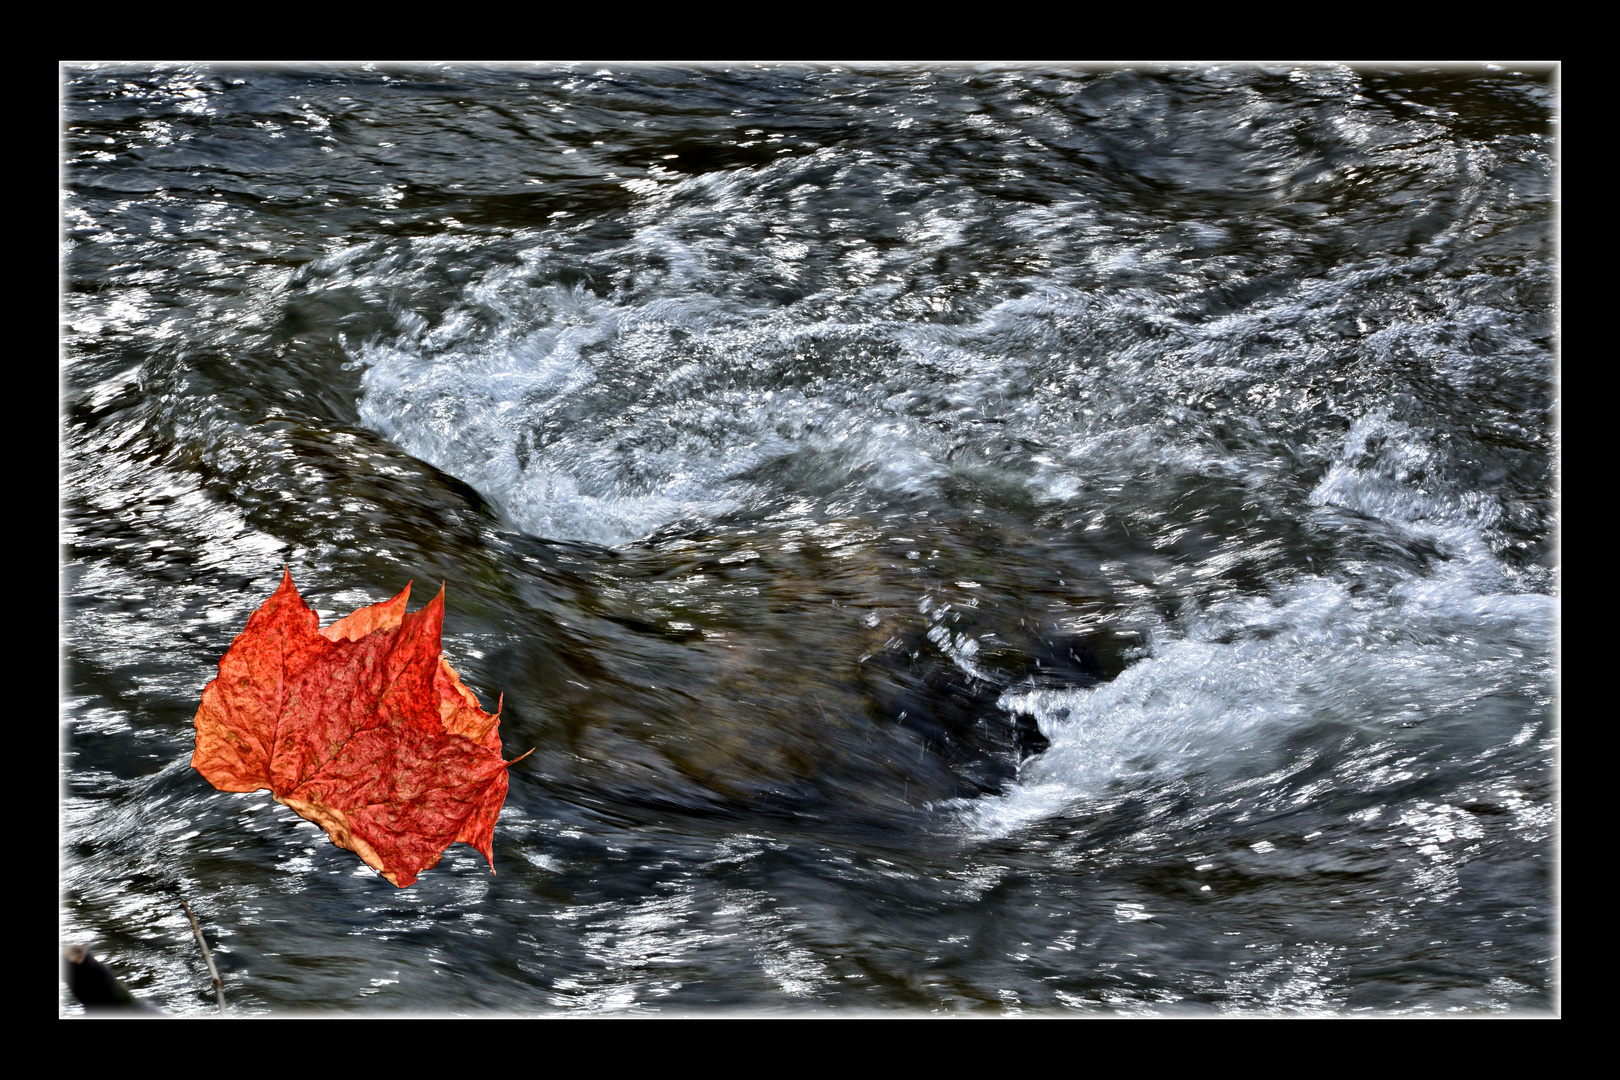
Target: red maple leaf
x: 363, y: 728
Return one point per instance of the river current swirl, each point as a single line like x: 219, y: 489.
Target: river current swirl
x: 1004, y: 538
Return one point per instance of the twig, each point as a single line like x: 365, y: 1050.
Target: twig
x: 219, y: 984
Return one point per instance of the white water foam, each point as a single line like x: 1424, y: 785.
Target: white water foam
x: 1223, y: 691
x: 612, y: 419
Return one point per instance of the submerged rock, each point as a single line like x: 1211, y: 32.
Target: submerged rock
x: 842, y: 669
x: 95, y: 986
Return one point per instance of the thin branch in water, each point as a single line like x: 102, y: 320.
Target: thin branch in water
x: 219, y: 984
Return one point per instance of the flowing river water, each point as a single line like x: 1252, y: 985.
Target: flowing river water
x: 958, y: 539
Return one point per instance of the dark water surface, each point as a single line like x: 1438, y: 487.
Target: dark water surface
x: 958, y: 539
